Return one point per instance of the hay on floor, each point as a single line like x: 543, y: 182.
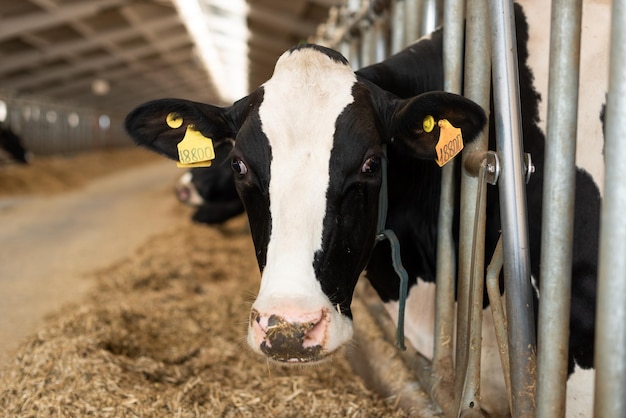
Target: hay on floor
x: 163, y: 336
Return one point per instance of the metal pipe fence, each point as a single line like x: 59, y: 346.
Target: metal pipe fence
x: 51, y: 128
x: 610, y: 354
x: 513, y: 214
x: 558, y: 209
x: 367, y: 31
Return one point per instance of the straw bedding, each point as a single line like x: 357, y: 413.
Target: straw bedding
x: 162, y: 335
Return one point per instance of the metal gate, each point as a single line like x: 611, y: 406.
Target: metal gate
x: 368, y: 31
x: 52, y: 128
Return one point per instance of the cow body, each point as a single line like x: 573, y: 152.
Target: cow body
x: 211, y: 190
x: 12, y: 146
x: 307, y: 160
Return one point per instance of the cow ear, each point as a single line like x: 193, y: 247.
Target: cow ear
x: 161, y: 124
x: 418, y: 123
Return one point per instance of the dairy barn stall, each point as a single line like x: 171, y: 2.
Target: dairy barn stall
x: 115, y: 301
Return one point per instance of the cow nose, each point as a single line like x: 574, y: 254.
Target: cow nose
x: 291, y: 339
x: 183, y: 193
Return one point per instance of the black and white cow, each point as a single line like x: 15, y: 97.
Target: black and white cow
x: 307, y: 160
x: 211, y: 190
x: 12, y: 146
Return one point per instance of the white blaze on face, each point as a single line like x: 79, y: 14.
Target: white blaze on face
x: 300, y: 107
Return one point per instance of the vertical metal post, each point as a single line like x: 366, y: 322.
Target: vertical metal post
x: 411, y: 21
x: 430, y: 17
x: 558, y: 208
x: 344, y: 48
x: 397, y: 26
x: 381, y: 40
x: 519, y: 305
x: 353, y: 6
x: 367, y: 41
x: 444, y: 293
x: 477, y: 78
x: 355, y: 52
x: 610, y: 353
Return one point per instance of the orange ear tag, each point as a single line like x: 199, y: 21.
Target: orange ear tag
x: 450, y: 142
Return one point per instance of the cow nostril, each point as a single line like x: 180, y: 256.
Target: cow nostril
x: 274, y: 321
x: 183, y: 193
x: 316, y: 333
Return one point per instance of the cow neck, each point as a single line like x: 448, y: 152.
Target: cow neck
x: 394, y: 243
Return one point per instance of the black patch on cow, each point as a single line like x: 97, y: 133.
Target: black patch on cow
x: 253, y: 148
x: 351, y: 200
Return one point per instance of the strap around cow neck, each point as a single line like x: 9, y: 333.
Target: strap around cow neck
x: 390, y: 236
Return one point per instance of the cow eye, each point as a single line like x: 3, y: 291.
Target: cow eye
x: 239, y: 167
x: 371, y: 165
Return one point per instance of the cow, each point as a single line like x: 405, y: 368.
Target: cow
x: 211, y: 190
x: 13, y: 147
x: 309, y: 147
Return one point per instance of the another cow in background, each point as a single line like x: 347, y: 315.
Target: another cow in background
x: 12, y: 146
x: 211, y: 190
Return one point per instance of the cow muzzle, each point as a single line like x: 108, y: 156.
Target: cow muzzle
x: 295, y: 339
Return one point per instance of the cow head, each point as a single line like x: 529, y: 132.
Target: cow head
x: 307, y: 165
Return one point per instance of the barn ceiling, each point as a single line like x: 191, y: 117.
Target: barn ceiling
x: 114, y: 54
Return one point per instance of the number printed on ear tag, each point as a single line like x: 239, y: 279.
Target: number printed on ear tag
x: 450, y: 142
x: 195, y: 150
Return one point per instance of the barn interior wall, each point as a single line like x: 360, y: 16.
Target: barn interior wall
x: 48, y: 128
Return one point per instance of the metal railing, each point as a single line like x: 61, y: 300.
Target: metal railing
x: 610, y: 354
x: 51, y: 128
x: 367, y: 31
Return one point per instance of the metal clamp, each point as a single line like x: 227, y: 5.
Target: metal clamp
x: 492, y: 164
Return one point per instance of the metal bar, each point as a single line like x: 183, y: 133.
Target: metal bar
x: 499, y: 319
x: 430, y: 17
x: 444, y: 293
x: 367, y: 42
x: 610, y: 352
x: 381, y: 39
x: 397, y: 26
x: 355, y: 53
x: 519, y: 305
x: 558, y: 208
x: 411, y: 21
x: 471, y: 235
x: 444, y: 319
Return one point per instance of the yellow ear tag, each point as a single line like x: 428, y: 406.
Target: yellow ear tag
x: 450, y: 142
x: 429, y: 123
x: 174, y: 120
x: 195, y: 150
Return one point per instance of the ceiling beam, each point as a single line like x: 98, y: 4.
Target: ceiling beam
x: 128, y: 55
x: 53, y: 51
x: 41, y: 20
x: 298, y: 27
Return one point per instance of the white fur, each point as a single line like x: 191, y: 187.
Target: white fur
x: 302, y: 101
x: 580, y: 387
